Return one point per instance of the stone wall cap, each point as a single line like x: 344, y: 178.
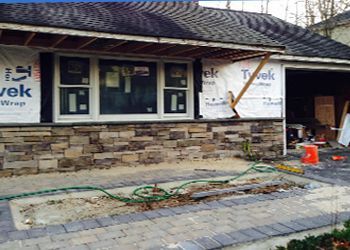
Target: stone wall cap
x: 96, y: 123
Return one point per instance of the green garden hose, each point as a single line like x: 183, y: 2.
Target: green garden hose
x: 145, y: 194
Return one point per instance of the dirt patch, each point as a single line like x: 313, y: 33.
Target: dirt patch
x: 71, y: 209
x: 58, y: 211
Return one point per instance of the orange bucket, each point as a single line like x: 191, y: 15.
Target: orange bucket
x: 311, y: 155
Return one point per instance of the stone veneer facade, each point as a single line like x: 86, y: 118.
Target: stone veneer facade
x: 60, y: 148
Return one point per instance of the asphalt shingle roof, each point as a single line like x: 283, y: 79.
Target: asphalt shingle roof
x: 163, y: 19
x: 177, y: 20
x: 342, y: 18
x: 298, y: 41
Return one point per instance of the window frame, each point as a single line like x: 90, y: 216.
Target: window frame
x: 94, y: 93
x: 187, y: 89
x: 57, y: 86
x: 110, y: 117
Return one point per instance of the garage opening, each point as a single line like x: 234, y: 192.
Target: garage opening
x: 316, y: 103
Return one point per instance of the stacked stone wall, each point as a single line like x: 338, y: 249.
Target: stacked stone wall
x: 62, y: 148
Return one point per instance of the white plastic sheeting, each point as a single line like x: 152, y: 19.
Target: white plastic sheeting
x: 344, y: 137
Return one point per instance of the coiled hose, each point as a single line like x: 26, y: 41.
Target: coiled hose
x: 145, y: 194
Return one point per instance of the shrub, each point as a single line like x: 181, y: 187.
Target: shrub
x: 337, y: 239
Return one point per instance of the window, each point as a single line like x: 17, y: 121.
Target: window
x: 114, y: 89
x: 128, y: 87
x: 74, y: 85
x: 176, y: 87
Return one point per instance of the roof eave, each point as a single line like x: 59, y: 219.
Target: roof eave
x: 311, y: 59
x: 139, y: 38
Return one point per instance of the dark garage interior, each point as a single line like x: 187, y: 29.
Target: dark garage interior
x: 316, y: 100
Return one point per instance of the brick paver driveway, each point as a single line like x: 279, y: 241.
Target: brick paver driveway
x: 207, y: 225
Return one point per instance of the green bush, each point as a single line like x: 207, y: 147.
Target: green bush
x: 326, y: 241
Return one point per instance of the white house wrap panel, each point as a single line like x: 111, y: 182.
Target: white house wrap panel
x: 19, y: 85
x: 264, y: 98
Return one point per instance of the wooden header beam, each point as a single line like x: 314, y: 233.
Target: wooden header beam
x: 250, y: 80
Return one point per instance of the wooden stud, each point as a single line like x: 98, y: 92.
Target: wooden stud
x: 179, y: 52
x: 141, y: 47
x: 29, y: 38
x: 116, y: 45
x: 224, y: 53
x: 250, y: 80
x: 240, y: 58
x: 204, y: 52
x: 58, y: 41
x: 231, y: 53
x: 164, y: 48
x: 86, y: 43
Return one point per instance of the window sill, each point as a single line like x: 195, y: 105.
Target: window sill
x: 122, y: 118
x: 159, y: 121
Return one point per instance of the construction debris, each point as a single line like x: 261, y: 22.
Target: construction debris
x: 201, y: 195
x: 290, y: 169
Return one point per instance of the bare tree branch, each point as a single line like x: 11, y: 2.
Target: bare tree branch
x: 228, y: 4
x: 313, y: 11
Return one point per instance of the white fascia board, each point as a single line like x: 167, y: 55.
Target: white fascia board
x: 320, y: 60
x: 162, y: 40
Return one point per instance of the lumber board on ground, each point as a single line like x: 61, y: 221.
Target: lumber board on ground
x: 325, y: 114
x: 343, y: 115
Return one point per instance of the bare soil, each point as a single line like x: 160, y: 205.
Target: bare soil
x: 58, y: 211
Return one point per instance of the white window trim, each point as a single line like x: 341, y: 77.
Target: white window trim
x: 188, y: 89
x: 94, y: 94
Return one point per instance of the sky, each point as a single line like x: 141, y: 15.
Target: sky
x: 284, y: 9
